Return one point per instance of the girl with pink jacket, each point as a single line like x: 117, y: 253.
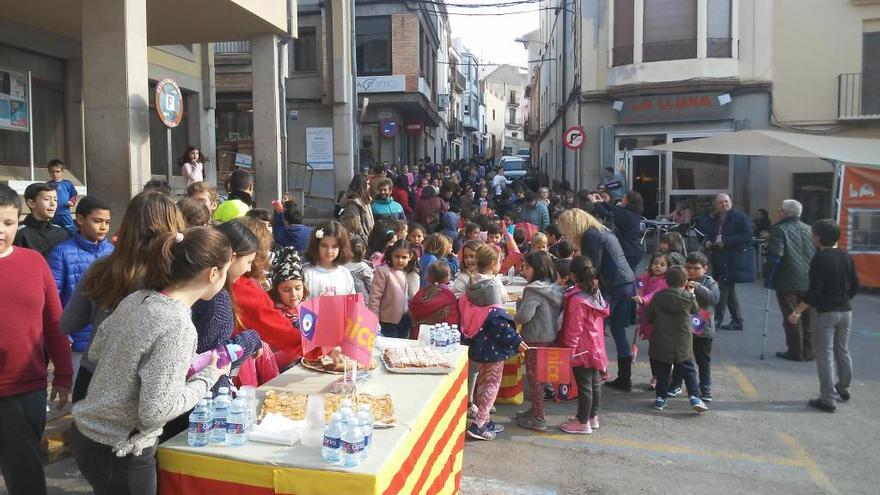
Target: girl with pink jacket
x: 648, y: 284
x: 394, y: 284
x: 583, y: 330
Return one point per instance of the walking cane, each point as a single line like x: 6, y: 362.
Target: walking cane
x: 768, y: 284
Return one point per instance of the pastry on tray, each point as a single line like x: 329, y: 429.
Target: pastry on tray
x: 288, y: 404
x: 381, y: 407
x: 337, y: 364
x: 414, y: 357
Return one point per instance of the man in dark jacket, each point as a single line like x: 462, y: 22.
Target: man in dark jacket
x: 789, y: 252
x: 627, y: 220
x: 37, y: 231
x: 733, y: 259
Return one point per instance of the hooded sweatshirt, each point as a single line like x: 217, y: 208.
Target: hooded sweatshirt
x: 293, y: 235
x: 670, y: 312
x: 538, y: 312
x: 387, y: 209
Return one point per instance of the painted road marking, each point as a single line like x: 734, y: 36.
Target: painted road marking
x: 803, y: 457
x: 743, y: 382
x: 470, y: 484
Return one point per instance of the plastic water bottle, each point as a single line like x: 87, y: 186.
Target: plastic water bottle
x: 456, y: 337
x: 236, y: 423
x: 248, y: 394
x: 201, y: 422
x: 331, y: 449
x: 366, y: 419
x: 352, y: 443
x: 221, y: 412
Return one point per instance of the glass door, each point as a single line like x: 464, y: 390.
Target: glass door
x: 646, y: 177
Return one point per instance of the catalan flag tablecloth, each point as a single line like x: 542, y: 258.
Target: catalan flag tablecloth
x: 421, y: 455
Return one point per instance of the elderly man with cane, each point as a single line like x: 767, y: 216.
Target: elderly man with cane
x: 789, y: 252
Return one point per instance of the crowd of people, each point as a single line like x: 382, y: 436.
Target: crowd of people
x: 424, y: 244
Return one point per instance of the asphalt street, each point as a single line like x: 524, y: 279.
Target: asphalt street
x: 759, y: 436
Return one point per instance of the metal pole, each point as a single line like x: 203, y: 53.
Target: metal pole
x: 30, y: 114
x: 766, y: 316
x: 168, y: 142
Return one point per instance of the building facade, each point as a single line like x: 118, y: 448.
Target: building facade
x: 635, y: 73
x: 506, y: 87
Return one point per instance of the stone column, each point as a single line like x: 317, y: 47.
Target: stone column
x: 115, y: 99
x: 267, y: 119
x: 344, y: 99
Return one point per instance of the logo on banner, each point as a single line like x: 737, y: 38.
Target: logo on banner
x: 308, y: 320
x: 699, y: 321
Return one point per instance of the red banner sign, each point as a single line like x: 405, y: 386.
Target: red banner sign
x: 554, y: 364
x: 330, y: 321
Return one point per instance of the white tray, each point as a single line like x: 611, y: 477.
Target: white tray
x: 417, y: 371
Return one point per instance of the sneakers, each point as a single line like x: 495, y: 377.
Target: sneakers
x: 575, y: 427
x: 706, y: 395
x: 674, y: 392
x: 843, y: 395
x: 660, y: 403
x: 493, y: 426
x: 522, y: 414
x: 478, y: 433
x: 529, y: 421
x: 732, y: 326
x: 818, y: 404
x: 594, y: 422
x: 698, y: 405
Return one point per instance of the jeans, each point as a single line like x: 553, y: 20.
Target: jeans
x: 729, y: 301
x: 703, y: 358
x: 619, y: 300
x: 399, y: 330
x: 798, y: 337
x: 662, y: 371
x: 832, y: 353
x: 22, y: 420
x: 112, y: 475
x: 589, y: 392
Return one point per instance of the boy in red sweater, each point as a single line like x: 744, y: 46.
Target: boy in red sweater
x: 31, y: 311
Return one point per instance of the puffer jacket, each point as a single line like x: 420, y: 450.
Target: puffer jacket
x: 536, y: 215
x: 497, y: 339
x: 647, y: 286
x: 791, y: 249
x: 703, y: 321
x: 670, y: 312
x: 69, y: 261
x: 538, y: 312
x: 583, y: 329
x: 40, y: 235
x: 356, y: 216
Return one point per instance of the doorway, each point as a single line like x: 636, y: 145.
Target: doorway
x: 646, y: 177
x: 813, y: 190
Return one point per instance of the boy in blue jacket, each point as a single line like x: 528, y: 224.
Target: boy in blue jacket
x: 70, y: 260
x: 288, y: 229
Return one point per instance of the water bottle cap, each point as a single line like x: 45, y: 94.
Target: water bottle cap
x: 347, y: 403
x: 364, y: 408
x: 223, y: 391
x: 336, y: 417
x: 203, y: 402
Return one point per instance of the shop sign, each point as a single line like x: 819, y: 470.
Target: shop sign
x: 389, y: 128
x: 244, y: 161
x: 169, y: 102
x: 415, y: 128
x: 381, y: 84
x: 14, y: 114
x: 673, y: 108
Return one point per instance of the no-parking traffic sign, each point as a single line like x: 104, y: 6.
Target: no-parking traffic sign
x: 574, y: 137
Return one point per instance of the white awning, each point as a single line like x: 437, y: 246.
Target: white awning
x: 849, y: 150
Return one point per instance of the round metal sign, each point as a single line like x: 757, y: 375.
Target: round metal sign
x: 169, y: 102
x: 388, y: 128
x: 574, y: 137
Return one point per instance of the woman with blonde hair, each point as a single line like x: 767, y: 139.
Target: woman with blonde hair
x: 616, y: 280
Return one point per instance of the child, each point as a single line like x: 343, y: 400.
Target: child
x: 538, y: 313
x: 71, y: 259
x: 707, y: 292
x: 469, y: 267
x: 144, y: 350
x: 192, y: 164
x: 31, y: 311
x: 494, y: 342
x: 390, y: 293
x: 329, y: 249
x: 194, y: 212
x: 288, y: 228
x: 540, y: 243
x: 381, y: 238
x: 471, y: 232
x: 495, y: 236
x: 204, y: 192
x: 563, y: 273
x: 416, y: 237
x: 671, y: 340
x: 648, y: 284
x: 288, y: 289
x: 563, y: 250
x: 361, y: 271
x: 583, y: 331
x: 262, y: 215
x: 672, y: 243
x: 435, y: 303
x: 241, y: 187
x: 401, y: 229
x: 66, y: 196
x: 519, y: 237
x: 37, y: 231
x: 437, y: 247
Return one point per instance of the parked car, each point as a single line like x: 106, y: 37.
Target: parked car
x: 517, y: 169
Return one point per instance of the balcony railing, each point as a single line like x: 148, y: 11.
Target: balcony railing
x: 459, y: 81
x: 454, y: 128
x: 232, y: 48
x: 858, y: 96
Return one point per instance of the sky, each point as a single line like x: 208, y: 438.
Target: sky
x: 491, y: 37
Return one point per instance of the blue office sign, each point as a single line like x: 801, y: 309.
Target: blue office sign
x: 169, y: 102
x: 388, y: 128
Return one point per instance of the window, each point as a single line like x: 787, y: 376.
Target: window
x: 493, y: 114
x: 718, y: 39
x: 373, y: 40
x: 670, y: 30
x: 514, y: 134
x: 512, y: 116
x: 513, y: 97
x: 864, y: 230
x: 623, y: 32
x: 467, y: 110
x: 871, y: 73
x: 305, y: 50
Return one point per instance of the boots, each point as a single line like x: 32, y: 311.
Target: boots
x: 624, y: 375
